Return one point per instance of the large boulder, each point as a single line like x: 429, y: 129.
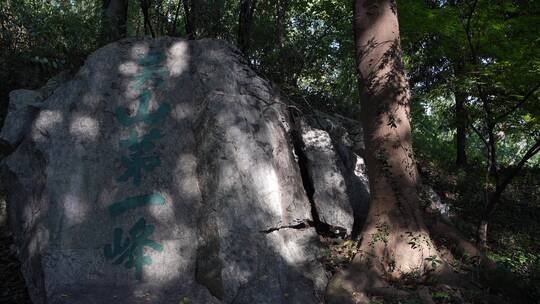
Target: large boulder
x: 162, y: 172
x: 23, y: 106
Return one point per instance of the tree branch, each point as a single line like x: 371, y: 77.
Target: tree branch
x: 520, y: 103
x: 508, y: 178
x: 480, y: 135
x: 533, y: 150
x: 467, y: 28
x: 176, y: 14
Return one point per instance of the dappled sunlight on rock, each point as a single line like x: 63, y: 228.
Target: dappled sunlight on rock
x: 45, y: 122
x: 175, y: 183
x: 178, y: 58
x: 185, y: 168
x: 75, y: 209
x: 128, y: 68
x: 181, y: 112
x: 139, y: 49
x: 84, y: 127
x: 165, y: 212
x: 171, y: 266
x: 268, y: 187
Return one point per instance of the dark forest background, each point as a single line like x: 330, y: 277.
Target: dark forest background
x: 474, y: 69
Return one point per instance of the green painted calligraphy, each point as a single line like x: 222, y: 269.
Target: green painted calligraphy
x: 143, y: 112
x: 140, y: 157
x: 130, y: 251
x: 149, y: 73
x: 135, y: 202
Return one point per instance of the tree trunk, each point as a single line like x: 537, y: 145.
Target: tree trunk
x: 501, y: 183
x: 215, y: 12
x: 190, y: 31
x: 461, y: 129
x: 172, y: 31
x: 493, y: 198
x: 492, y: 184
x: 245, y: 20
x: 281, y: 21
x: 199, y: 14
x: 482, y: 234
x: 395, y: 240
x: 114, y: 20
x: 145, y: 7
x: 203, y: 19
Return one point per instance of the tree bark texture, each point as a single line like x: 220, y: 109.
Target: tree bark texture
x: 395, y: 240
x: 145, y: 8
x: 461, y: 129
x: 245, y: 21
x: 496, y: 185
x: 281, y: 21
x: 203, y: 18
x: 114, y: 20
x: 172, y: 31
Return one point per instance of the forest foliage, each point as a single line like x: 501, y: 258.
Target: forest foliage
x: 484, y: 53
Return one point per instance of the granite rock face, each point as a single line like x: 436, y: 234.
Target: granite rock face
x: 331, y: 148
x: 23, y: 106
x: 163, y: 171
x: 326, y: 173
x: 435, y: 204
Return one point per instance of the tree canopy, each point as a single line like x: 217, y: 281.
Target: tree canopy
x: 473, y: 68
